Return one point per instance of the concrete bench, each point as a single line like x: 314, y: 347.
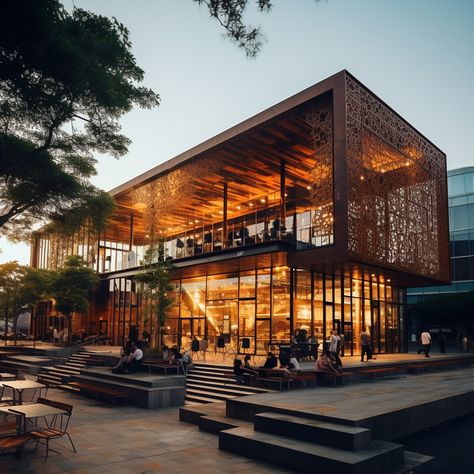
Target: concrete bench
x: 324, y: 378
x: 99, y: 390
x: 277, y: 381
x: 376, y: 372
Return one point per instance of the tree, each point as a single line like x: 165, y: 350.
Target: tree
x: 21, y: 288
x: 155, y: 282
x: 65, y: 81
x: 71, y: 288
x: 230, y: 13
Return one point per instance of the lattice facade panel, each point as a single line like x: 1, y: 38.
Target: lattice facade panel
x: 397, y: 196
x: 321, y: 178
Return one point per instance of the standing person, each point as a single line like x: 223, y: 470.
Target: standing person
x: 426, y: 342
x: 55, y: 335
x: 442, y: 342
x: 334, y: 345
x: 365, y: 344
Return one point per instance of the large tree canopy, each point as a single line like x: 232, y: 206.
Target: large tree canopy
x: 65, y: 81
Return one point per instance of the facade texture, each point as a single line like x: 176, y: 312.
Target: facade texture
x: 315, y: 214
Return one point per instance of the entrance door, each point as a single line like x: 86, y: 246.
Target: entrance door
x: 189, y: 328
x: 222, y: 321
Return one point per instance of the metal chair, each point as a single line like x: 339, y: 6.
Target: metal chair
x: 56, y: 428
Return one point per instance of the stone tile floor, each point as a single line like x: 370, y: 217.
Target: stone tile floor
x: 128, y: 440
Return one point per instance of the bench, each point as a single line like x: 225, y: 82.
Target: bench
x: 305, y: 376
x: 375, y: 372
x: 165, y: 366
x: 323, y: 378
x: 99, y: 390
x: 279, y: 381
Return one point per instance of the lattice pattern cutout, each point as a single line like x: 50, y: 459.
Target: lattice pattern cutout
x: 321, y: 178
x: 397, y: 195
x: 171, y: 191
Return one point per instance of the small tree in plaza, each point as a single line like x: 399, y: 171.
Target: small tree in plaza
x: 71, y: 288
x: 21, y: 288
x: 155, y: 288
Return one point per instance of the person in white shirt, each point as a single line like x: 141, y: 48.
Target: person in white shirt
x: 135, y: 359
x: 426, y: 342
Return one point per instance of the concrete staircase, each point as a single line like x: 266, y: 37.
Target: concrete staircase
x: 304, y: 444
x: 208, y: 383
x: 60, y: 375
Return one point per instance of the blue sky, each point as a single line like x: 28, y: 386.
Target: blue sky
x: 417, y: 55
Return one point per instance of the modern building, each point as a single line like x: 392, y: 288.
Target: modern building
x: 461, y: 239
x: 315, y: 214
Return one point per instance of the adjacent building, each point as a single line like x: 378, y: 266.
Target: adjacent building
x: 461, y: 240
x: 315, y: 214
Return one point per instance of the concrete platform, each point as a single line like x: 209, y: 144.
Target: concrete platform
x: 145, y: 391
x: 389, y: 408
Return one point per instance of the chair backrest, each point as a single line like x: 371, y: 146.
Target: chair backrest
x: 245, y: 343
x: 62, y: 406
x: 220, y: 342
x: 195, y: 345
x: 44, y: 401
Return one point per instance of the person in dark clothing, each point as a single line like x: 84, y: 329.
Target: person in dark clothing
x: 271, y: 361
x: 238, y: 371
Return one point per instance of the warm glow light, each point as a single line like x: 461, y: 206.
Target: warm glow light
x: 308, y: 187
x: 251, y: 204
x: 362, y: 178
x: 190, y: 222
x: 238, y: 207
x: 262, y: 200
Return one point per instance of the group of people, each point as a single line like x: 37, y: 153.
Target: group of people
x: 58, y: 336
x: 131, y: 358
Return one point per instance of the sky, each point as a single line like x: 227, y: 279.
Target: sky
x: 417, y: 55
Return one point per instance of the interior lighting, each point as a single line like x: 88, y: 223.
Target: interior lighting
x: 308, y: 187
x: 251, y: 204
x: 190, y: 222
x: 362, y: 178
x: 196, y: 221
x: 262, y: 200
x: 238, y: 207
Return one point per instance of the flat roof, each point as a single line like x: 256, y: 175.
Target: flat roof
x: 281, y: 107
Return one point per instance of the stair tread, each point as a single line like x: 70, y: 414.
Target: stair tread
x: 314, y: 423
x: 197, y: 398
x: 348, y: 457
x: 213, y: 396
x: 236, y: 391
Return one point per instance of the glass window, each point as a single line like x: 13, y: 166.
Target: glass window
x: 461, y: 245
x: 470, y: 215
x: 458, y: 217
x: 462, y: 268
x: 281, y: 305
x: 458, y: 201
x: 263, y: 300
x: 469, y: 182
x: 247, y: 284
x: 456, y: 184
x: 222, y: 287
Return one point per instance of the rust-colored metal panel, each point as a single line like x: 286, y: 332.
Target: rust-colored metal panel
x: 396, y: 193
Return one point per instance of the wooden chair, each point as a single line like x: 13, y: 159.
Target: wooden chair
x: 16, y: 442
x: 5, y: 400
x: 57, y: 427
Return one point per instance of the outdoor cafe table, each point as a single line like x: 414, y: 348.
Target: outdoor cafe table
x: 7, y: 376
x: 20, y: 385
x: 32, y: 410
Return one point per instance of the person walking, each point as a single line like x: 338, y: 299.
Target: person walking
x: 426, y: 342
x: 365, y: 343
x: 334, y: 346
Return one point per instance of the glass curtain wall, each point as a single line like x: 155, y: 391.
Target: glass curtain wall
x: 251, y: 310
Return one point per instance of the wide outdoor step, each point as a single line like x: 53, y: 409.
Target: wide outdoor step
x: 75, y: 365
x: 67, y: 368
x: 68, y: 388
x: 50, y: 378
x: 199, y: 399
x: 212, y: 366
x: 225, y: 390
x: 328, y: 434
x: 206, y: 393
x: 215, y: 424
x: 211, y: 378
x: 212, y: 373
x: 250, y: 388
x: 61, y: 372
x: 307, y: 457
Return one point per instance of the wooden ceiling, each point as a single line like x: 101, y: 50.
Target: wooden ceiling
x: 249, y: 164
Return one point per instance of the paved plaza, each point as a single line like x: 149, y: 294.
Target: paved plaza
x: 134, y: 440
